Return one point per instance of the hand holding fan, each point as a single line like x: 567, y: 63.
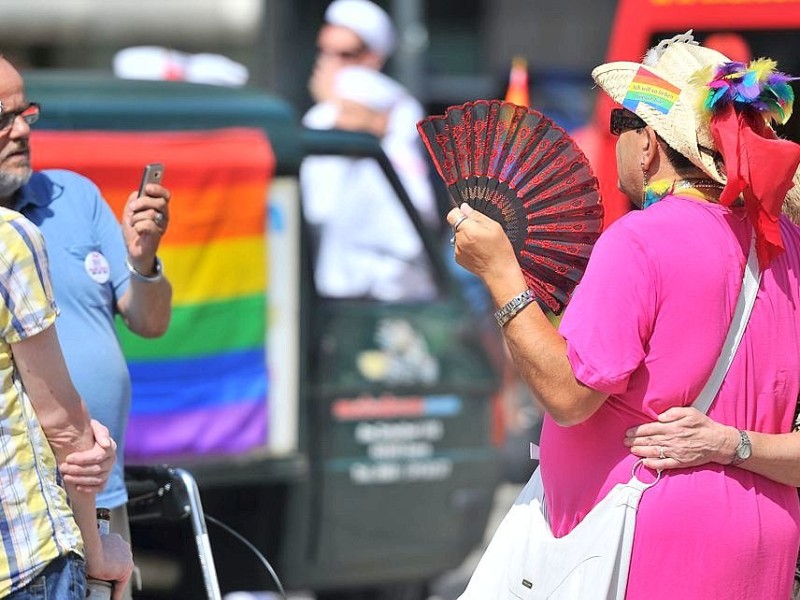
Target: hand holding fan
x: 519, y: 168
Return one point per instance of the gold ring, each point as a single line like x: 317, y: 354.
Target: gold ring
x: 661, y: 454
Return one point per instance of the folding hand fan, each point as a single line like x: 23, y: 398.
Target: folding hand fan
x: 519, y: 168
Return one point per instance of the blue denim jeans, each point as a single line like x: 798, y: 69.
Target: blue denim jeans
x: 63, y: 579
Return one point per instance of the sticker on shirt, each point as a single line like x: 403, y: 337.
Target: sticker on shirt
x: 97, y: 267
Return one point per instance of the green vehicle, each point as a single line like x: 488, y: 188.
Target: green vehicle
x: 357, y: 483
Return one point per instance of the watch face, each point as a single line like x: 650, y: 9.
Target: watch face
x: 744, y: 449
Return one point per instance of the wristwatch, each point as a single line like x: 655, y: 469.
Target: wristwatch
x: 743, y: 450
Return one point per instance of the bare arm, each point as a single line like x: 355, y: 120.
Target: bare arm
x: 146, y: 306
x: 690, y: 438
x: 60, y: 410
x: 538, y: 350
x: 354, y: 116
x: 66, y: 424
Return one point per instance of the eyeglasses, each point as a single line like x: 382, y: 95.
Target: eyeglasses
x: 623, y: 120
x: 343, y: 55
x: 30, y: 114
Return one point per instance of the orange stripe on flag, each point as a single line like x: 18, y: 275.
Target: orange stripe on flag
x: 200, y: 212
x: 218, y: 179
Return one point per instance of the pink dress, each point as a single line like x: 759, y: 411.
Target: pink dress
x: 646, y: 325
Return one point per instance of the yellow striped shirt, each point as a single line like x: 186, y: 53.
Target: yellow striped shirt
x: 36, y: 524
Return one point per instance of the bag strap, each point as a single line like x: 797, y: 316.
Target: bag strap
x: 741, y: 314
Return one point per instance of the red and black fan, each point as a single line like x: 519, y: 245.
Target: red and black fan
x: 519, y: 168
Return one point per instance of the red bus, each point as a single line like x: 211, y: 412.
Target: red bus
x: 739, y: 29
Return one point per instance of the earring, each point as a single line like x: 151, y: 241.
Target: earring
x: 644, y: 183
x: 653, y: 192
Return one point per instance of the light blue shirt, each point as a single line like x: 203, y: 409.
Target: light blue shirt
x: 87, y: 262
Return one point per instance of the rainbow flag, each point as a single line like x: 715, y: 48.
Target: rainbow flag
x: 648, y: 88
x: 202, y: 388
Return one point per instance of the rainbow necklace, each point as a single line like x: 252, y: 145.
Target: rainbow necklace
x: 687, y: 187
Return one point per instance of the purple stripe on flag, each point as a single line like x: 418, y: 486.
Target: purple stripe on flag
x: 229, y: 429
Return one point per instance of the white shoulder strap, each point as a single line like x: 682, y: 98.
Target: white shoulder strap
x: 744, y: 306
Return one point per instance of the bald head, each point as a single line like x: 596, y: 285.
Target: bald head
x: 15, y: 163
x: 10, y: 80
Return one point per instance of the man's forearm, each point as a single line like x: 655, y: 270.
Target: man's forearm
x: 84, y: 511
x: 540, y: 355
x: 146, y: 307
x: 59, y: 409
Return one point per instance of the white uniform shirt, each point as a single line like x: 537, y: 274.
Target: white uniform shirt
x: 368, y: 246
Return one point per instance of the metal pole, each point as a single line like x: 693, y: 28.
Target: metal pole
x: 195, y: 510
x: 412, y: 42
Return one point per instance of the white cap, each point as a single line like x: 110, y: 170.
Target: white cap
x: 157, y: 63
x: 367, y: 20
x: 216, y: 69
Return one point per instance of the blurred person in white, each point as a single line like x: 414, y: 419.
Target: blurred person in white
x: 368, y: 246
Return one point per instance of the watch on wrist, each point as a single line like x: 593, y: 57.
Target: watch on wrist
x: 743, y: 450
x: 513, y: 307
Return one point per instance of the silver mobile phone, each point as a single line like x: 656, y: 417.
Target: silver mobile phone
x: 153, y: 173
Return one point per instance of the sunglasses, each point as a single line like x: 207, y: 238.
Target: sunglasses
x: 343, y: 55
x: 29, y: 113
x: 623, y: 120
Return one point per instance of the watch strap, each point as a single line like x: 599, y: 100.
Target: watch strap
x: 743, y: 450
x: 513, y: 307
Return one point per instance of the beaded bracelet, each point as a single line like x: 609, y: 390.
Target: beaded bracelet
x: 513, y: 307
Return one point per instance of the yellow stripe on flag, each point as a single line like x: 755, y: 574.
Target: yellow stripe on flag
x: 215, y: 271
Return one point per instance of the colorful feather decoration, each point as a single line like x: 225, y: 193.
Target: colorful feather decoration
x: 756, y: 87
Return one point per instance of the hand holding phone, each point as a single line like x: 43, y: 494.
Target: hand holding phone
x: 153, y: 173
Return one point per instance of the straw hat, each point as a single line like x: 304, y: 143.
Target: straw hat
x: 661, y: 91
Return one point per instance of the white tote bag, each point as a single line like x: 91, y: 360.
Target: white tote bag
x: 525, y: 561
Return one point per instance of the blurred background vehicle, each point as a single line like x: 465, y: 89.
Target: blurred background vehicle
x: 349, y: 439
x: 752, y: 30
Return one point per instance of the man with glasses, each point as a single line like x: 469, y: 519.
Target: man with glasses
x: 367, y: 245
x: 99, y: 269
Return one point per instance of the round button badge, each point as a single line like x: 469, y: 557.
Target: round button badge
x: 97, y: 267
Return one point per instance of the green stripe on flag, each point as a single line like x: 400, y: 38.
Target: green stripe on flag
x: 202, y: 330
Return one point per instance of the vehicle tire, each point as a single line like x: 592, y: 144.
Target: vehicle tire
x: 402, y: 591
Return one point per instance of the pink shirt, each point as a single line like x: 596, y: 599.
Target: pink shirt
x: 646, y: 325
